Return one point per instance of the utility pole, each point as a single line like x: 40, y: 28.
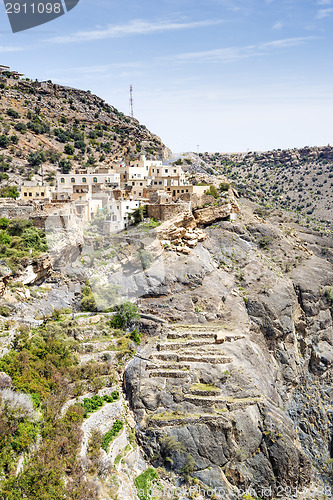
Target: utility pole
x: 131, y: 102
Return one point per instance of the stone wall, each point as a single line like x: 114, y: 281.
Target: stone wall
x: 166, y: 211
x: 16, y: 211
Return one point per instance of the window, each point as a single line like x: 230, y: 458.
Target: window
x: 114, y: 218
x: 141, y: 184
x: 160, y: 182
x: 30, y: 194
x: 95, y: 179
x: 187, y: 190
x: 158, y: 170
x: 174, y: 171
x: 84, y: 180
x: 72, y: 180
x: 37, y: 194
x: 42, y: 194
x: 62, y: 180
x: 166, y: 170
x: 127, y: 208
x: 25, y: 194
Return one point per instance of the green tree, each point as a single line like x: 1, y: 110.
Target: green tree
x: 36, y: 159
x: 212, y: 191
x: 125, y: 314
x: 4, y: 141
x: 138, y: 214
x: 65, y: 166
x: 69, y: 149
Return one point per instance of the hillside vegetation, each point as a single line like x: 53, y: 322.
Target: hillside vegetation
x: 299, y: 180
x: 58, y: 128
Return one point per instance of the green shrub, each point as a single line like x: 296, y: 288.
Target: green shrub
x: 144, y: 483
x: 111, y: 434
x: 21, y: 127
x: 212, y: 191
x: 88, y: 302
x: 224, y: 186
x: 125, y: 314
x: 69, y: 149
x: 11, y: 112
x: 9, y: 192
x: 136, y: 336
x: 4, y: 141
x: 65, y: 166
x: 37, y: 158
x: 4, y: 311
x: 264, y: 242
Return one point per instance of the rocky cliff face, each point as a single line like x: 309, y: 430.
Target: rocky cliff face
x: 239, y: 379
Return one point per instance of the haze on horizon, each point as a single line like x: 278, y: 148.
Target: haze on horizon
x: 224, y: 75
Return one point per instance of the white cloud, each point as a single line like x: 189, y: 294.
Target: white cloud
x: 324, y: 2
x: 231, y: 54
x: 135, y: 27
x: 322, y: 13
x: 3, y: 49
x: 277, y: 26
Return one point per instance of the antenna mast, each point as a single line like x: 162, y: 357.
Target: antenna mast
x: 131, y: 102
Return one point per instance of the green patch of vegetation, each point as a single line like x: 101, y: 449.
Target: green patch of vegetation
x: 88, y: 302
x: 41, y: 364
x: 93, y: 404
x: 126, y: 313
x: 19, y: 239
x: 111, y: 434
x: 138, y: 214
x: 151, y: 224
x: 9, y: 192
x: 212, y: 191
x: 264, y: 242
x: 4, y: 311
x: 144, y: 483
x: 224, y: 186
x: 136, y: 336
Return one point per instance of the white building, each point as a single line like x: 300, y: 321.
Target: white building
x: 119, y: 214
x: 86, y: 182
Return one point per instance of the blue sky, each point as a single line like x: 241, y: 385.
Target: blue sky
x: 224, y: 75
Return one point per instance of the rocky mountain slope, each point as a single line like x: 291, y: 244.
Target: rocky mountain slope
x: 43, y: 129
x: 227, y: 387
x: 299, y: 180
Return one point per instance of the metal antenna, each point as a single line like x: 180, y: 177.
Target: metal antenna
x: 131, y: 102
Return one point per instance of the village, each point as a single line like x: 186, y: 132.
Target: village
x: 118, y: 190
x: 116, y: 186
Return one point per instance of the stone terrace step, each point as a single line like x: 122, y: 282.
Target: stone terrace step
x: 215, y: 360
x: 172, y: 346
x: 198, y: 392
x: 199, y: 419
x: 221, y: 402
x: 191, y: 334
x: 206, y: 400
x: 169, y: 374
x: 164, y: 356
x: 170, y: 366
